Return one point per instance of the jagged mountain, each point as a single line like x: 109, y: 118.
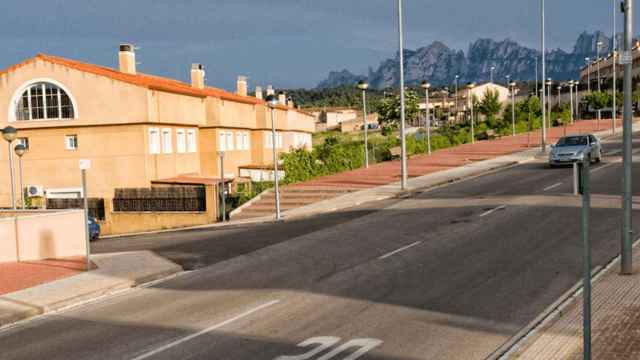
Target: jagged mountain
x: 440, y: 64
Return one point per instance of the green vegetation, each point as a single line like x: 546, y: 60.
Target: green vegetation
x: 389, y: 110
x: 345, y: 96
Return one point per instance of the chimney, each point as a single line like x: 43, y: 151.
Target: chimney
x: 197, y: 76
x: 259, y: 92
x: 270, y: 90
x: 290, y: 102
x: 127, y: 59
x: 242, y: 86
x: 282, y: 98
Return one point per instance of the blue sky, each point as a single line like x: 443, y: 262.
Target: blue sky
x: 290, y: 43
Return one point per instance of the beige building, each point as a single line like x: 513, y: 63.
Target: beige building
x: 136, y: 129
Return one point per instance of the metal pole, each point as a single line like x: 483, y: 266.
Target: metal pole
x: 627, y: 227
x: 13, y: 175
x: 366, y: 129
x: 21, y: 185
x: 473, y: 136
x: 457, y: 109
x: 543, y: 144
x: 275, y: 163
x: 223, y: 194
x: 576, y: 179
x: 589, y: 76
x: 571, y: 99
x: 513, y: 111
x: 86, y: 218
x: 549, y: 105
x: 614, y: 70
x: 586, y: 261
x: 403, y: 145
x: 428, y: 122
x: 599, y: 87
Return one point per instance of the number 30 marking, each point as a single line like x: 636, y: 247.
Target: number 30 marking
x: 325, y: 342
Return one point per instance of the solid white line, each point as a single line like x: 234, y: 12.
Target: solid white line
x: 202, y: 332
x: 399, y: 250
x: 492, y: 210
x: 552, y: 186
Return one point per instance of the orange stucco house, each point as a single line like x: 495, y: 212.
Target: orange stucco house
x: 135, y: 128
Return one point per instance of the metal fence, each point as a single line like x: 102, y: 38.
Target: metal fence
x: 159, y: 199
x: 96, y: 206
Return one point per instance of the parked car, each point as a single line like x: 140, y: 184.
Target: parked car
x: 577, y: 148
x: 94, y: 229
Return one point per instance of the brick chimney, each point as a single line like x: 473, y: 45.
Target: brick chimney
x: 197, y: 76
x: 270, y: 90
x: 259, y: 92
x: 242, y: 86
x: 282, y: 98
x: 127, y: 59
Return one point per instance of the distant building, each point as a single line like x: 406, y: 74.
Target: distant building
x: 605, y: 66
x: 331, y: 118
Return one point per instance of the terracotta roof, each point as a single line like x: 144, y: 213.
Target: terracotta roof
x: 139, y: 79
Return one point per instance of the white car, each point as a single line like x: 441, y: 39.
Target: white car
x: 576, y: 148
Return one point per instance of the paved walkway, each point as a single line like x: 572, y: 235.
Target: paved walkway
x: 23, y: 275
x: 296, y: 197
x: 615, y: 322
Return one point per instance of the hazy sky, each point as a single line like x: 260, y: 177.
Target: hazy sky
x: 290, y: 43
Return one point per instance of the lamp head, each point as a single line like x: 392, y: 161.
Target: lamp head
x: 512, y: 84
x: 425, y: 84
x: 362, y: 85
x: 271, y: 100
x: 20, y: 150
x: 9, y: 133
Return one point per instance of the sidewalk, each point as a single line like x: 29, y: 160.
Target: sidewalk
x: 114, y: 272
x: 23, y: 275
x: 615, y: 322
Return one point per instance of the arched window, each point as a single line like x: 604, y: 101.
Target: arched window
x: 43, y: 100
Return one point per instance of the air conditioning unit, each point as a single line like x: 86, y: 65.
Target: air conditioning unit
x: 35, y: 191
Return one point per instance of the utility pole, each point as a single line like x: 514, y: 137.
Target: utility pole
x: 403, y: 144
x: 614, y: 66
x: 544, y: 74
x: 627, y: 60
x: 586, y: 257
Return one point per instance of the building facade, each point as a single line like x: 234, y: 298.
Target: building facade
x: 135, y: 128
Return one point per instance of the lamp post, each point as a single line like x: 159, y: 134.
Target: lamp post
x: 403, y: 144
x: 627, y: 224
x: 614, y: 70
x: 492, y: 69
x: 470, y: 88
x: 363, y: 85
x: 456, y: 106
x: 20, y: 150
x: 571, y: 83
x: 425, y: 85
x: 588, y: 60
x: 564, y: 125
x: 272, y: 101
x: 544, y: 74
x: 512, y: 86
x: 549, y: 84
x: 223, y: 195
x: 10, y: 134
x: 598, y: 45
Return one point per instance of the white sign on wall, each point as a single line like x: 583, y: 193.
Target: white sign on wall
x: 85, y: 164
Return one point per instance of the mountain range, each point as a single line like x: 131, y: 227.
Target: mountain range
x: 439, y: 64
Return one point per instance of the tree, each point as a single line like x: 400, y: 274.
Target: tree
x: 598, y: 100
x: 490, y: 105
x: 389, y: 110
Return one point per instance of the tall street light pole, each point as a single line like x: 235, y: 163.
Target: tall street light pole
x: 588, y: 61
x: 457, y: 110
x: 10, y: 134
x: 549, y: 84
x: 598, y: 45
x: 403, y: 144
x: 544, y: 75
x: 492, y: 69
x: 512, y: 86
x: 627, y: 59
x: 425, y: 85
x: 272, y: 101
x: 571, y: 83
x: 363, y: 85
x: 614, y: 70
x: 20, y: 150
x: 473, y: 135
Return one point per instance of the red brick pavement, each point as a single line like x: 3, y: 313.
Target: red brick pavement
x: 23, y: 275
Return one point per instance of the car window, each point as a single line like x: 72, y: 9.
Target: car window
x: 592, y: 139
x: 573, y: 141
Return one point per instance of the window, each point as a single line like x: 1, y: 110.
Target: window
x: 191, y: 141
x: 181, y: 141
x: 42, y: 101
x: 23, y: 141
x: 279, y: 144
x: 71, y: 142
x: 268, y: 140
x: 229, y: 140
x: 222, y: 141
x: 166, y: 141
x: 239, y: 144
x: 154, y: 141
x: 245, y: 141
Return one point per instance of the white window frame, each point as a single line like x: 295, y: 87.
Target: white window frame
x: 245, y: 141
x: 222, y: 141
x: 239, y: 145
x: 17, y: 95
x: 181, y: 141
x: 230, y: 146
x: 279, y: 140
x: 154, y: 141
x: 71, y: 142
x: 192, y: 141
x: 167, y: 144
x: 268, y: 143
x: 23, y: 141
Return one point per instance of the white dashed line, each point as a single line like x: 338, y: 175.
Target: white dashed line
x: 492, y: 210
x: 202, y: 332
x: 552, y: 186
x: 399, y: 250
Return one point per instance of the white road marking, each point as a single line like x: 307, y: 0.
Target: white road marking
x: 492, y: 210
x: 325, y: 342
x: 552, y: 186
x: 202, y: 332
x: 399, y: 250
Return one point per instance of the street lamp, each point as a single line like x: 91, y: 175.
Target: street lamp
x: 426, y: 86
x: 363, y: 85
x: 588, y: 60
x: 563, y: 123
x: 492, y: 70
x: 470, y: 88
x: 403, y: 144
x: 272, y: 101
x: 549, y: 84
x: 512, y: 86
x: 223, y: 194
x: 614, y: 66
x: 626, y: 266
x: 456, y: 107
x: 10, y: 133
x: 20, y: 150
x: 543, y: 51
x: 598, y: 45
x: 571, y: 84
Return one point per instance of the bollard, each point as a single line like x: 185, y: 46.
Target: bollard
x: 576, y: 179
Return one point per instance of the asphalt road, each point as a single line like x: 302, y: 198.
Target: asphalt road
x: 451, y: 273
